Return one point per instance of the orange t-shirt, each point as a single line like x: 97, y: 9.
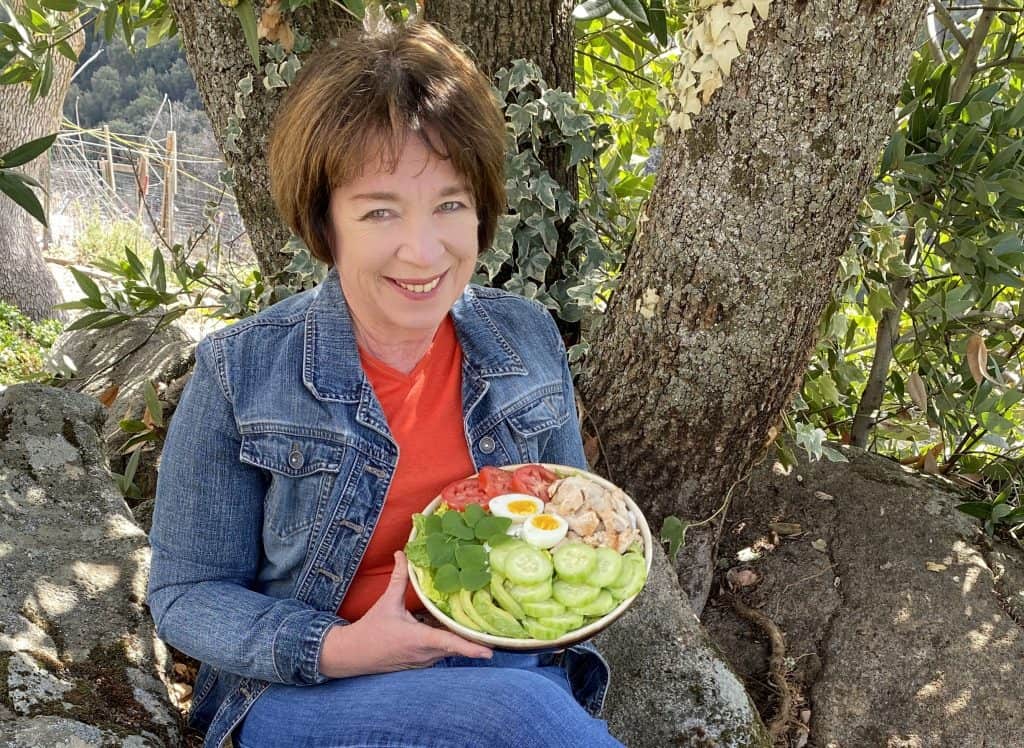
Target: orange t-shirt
x: 424, y: 412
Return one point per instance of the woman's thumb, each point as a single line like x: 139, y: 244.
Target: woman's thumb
x: 399, y: 579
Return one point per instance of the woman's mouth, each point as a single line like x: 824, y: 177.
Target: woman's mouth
x: 417, y: 288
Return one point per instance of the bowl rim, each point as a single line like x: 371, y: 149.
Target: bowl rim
x: 530, y: 645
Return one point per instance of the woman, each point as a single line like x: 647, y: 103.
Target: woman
x: 310, y: 433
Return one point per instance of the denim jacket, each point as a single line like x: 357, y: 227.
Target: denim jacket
x: 274, y: 472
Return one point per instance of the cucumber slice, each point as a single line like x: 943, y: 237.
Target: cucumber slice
x: 631, y: 579
x: 466, y: 602
x: 607, y: 567
x: 503, y: 598
x: 538, y: 630
x: 573, y: 595
x: 498, y: 621
x: 575, y: 561
x: 499, y: 553
x: 530, y: 593
x: 543, y: 609
x: 527, y: 565
x: 459, y: 615
x: 566, y: 621
x: 602, y: 605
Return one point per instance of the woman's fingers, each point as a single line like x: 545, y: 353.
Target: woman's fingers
x: 452, y: 644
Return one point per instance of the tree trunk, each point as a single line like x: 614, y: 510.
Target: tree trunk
x: 710, y: 332
x: 216, y: 51
x: 538, y: 30
x: 25, y: 281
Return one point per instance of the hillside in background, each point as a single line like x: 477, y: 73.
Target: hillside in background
x: 148, y: 91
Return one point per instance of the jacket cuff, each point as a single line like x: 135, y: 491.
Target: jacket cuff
x: 297, y: 646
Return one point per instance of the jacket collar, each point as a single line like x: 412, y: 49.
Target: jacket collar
x: 330, y: 363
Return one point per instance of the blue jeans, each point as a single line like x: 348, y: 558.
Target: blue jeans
x: 510, y: 700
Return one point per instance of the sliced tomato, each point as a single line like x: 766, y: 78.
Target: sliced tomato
x: 464, y: 492
x: 534, y: 480
x: 495, y: 481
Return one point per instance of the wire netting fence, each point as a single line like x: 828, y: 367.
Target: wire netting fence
x: 173, y: 196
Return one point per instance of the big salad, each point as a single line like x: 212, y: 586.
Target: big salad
x: 528, y: 553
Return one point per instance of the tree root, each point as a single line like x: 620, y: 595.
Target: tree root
x: 779, y: 725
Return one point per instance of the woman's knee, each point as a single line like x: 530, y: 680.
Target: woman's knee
x: 526, y: 709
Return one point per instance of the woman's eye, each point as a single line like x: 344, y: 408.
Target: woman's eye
x: 451, y: 206
x: 377, y: 214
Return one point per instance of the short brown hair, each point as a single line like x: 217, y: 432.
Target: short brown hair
x: 369, y: 91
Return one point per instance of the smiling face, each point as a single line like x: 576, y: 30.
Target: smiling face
x: 405, y: 243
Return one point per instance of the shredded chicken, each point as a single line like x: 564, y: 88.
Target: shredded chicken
x: 597, y: 516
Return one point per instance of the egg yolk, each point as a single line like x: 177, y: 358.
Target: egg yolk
x: 522, y: 507
x: 544, y: 522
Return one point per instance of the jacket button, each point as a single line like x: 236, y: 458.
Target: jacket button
x: 486, y: 445
x: 295, y: 458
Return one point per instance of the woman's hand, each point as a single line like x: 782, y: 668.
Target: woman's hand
x: 388, y: 638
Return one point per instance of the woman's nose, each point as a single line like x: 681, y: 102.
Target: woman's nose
x: 422, y: 245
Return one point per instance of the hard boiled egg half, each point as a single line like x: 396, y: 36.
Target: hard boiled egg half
x: 544, y: 530
x: 517, y: 507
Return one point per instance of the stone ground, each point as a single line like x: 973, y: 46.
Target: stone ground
x: 903, y: 625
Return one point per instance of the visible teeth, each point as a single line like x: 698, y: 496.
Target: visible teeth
x: 420, y: 288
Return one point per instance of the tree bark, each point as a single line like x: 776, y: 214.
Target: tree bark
x: 710, y: 332
x: 25, y: 281
x: 538, y: 30
x: 216, y: 51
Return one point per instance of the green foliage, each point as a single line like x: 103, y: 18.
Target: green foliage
x: 673, y: 532
x: 125, y: 87
x: 23, y: 346
x: 528, y: 239
x: 945, y: 218
x: 18, y: 186
x: 101, y: 241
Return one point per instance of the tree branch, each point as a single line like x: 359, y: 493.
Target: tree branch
x: 934, y: 43
x: 885, y: 344
x: 949, y: 22
x: 969, y: 57
x: 1002, y: 62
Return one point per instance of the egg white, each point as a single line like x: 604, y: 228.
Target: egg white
x: 541, y: 537
x: 510, y: 506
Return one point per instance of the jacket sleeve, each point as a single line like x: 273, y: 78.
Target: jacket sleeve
x: 206, y: 541
x: 565, y: 447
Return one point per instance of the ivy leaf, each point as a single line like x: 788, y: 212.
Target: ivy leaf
x: 673, y: 531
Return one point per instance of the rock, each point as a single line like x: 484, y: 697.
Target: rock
x: 79, y: 660
x: 60, y: 732
x: 886, y: 645
x: 670, y: 684
x: 126, y: 357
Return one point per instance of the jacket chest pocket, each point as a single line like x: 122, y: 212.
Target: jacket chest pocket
x: 532, y: 423
x: 302, y: 471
